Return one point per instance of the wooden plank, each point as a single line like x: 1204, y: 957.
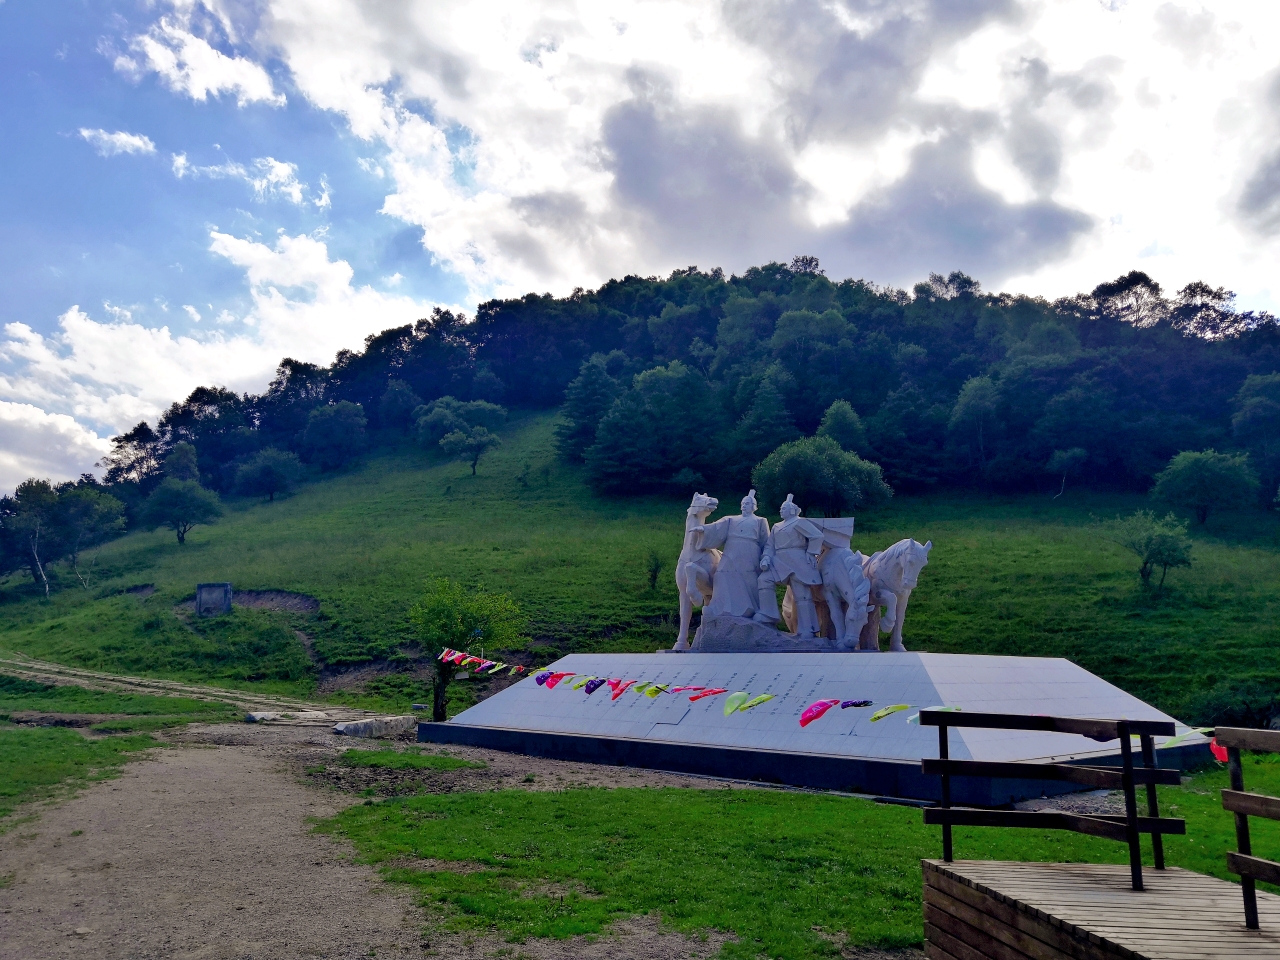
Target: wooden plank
x: 1104, y: 778
x: 1102, y: 730
x: 1180, y: 916
x: 1251, y: 804
x: 986, y: 921
x: 1254, y: 867
x: 1264, y: 741
x: 964, y: 817
x: 947, y: 945
x: 987, y: 945
x: 1012, y: 916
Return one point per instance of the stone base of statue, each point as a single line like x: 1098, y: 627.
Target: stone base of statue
x: 727, y: 634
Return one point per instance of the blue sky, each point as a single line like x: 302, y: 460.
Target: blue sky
x: 193, y: 189
x: 79, y: 228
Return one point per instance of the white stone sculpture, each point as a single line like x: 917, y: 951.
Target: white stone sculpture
x: 741, y: 540
x: 846, y: 592
x: 696, y: 566
x: 791, y: 556
x: 894, y: 573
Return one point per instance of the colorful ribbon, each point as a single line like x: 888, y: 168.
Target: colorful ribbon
x: 656, y: 689
x: 887, y: 711
x: 854, y: 703
x: 556, y: 678
x: 621, y: 688
x: 914, y: 719
x: 1219, y: 752
x: 712, y: 692
x: 580, y: 683
x: 595, y: 684
x: 683, y: 689
x: 816, y: 710
x: 755, y: 701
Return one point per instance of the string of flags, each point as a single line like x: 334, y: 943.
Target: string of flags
x: 738, y: 702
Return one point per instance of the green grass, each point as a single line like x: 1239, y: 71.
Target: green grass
x: 1023, y: 575
x: 18, y: 695
x: 405, y: 760
x: 42, y: 762
x: 777, y: 869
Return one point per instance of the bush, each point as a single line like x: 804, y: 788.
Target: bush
x: 1206, y: 481
x: 1242, y: 703
x: 270, y: 472
x: 180, y: 505
x: 335, y: 434
x: 823, y: 478
x: 1156, y: 543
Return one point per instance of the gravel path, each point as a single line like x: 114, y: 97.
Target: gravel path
x: 203, y: 850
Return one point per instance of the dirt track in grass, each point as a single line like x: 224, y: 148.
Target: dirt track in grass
x: 204, y: 850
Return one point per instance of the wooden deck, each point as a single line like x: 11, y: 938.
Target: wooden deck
x: 993, y: 910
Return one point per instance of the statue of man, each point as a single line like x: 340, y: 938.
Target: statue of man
x: 742, y: 540
x: 791, y: 557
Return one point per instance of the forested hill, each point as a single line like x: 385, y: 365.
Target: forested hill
x: 698, y: 376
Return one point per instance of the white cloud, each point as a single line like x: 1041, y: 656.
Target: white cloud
x: 34, y: 443
x: 111, y: 374
x: 192, y: 312
x: 271, y: 179
x: 110, y: 144
x: 556, y: 148
x: 190, y: 65
x: 276, y: 178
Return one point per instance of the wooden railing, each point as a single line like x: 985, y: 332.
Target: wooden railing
x: 1245, y: 805
x: 1127, y: 829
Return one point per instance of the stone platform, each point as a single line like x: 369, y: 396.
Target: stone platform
x: 843, y: 750
x: 740, y: 635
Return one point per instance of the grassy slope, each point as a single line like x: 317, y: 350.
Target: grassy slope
x: 1007, y: 575
x: 788, y: 873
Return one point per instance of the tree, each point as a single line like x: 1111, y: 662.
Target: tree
x: 1256, y: 423
x: 824, y: 478
x: 334, y: 434
x: 974, y: 415
x: 765, y: 427
x: 451, y: 616
x: 843, y: 425
x: 1156, y: 543
x: 270, y: 472
x: 32, y: 535
x: 180, y: 505
x: 398, y: 402
x: 182, y: 463
x: 447, y: 415
x: 586, y: 400
x: 88, y: 517
x: 135, y: 455
x: 1205, y: 481
x: 1067, y: 463
x: 470, y: 444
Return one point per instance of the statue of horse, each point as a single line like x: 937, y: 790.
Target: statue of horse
x: 846, y: 593
x: 696, y: 566
x: 893, y: 573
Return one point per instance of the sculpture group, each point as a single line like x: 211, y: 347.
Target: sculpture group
x: 733, y: 567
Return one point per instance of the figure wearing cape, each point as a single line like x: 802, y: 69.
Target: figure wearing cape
x: 735, y: 587
x: 791, y: 557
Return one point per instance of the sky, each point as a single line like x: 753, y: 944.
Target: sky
x: 193, y: 189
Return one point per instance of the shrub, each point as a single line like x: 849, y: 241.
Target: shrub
x: 1241, y: 703
x: 1206, y: 481
x: 1156, y: 543
x: 824, y: 478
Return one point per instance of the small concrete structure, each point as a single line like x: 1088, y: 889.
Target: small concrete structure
x: 213, y: 599
x: 375, y: 727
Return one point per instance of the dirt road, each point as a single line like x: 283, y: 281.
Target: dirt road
x: 203, y: 850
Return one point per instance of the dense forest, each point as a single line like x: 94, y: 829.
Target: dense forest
x: 666, y: 384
